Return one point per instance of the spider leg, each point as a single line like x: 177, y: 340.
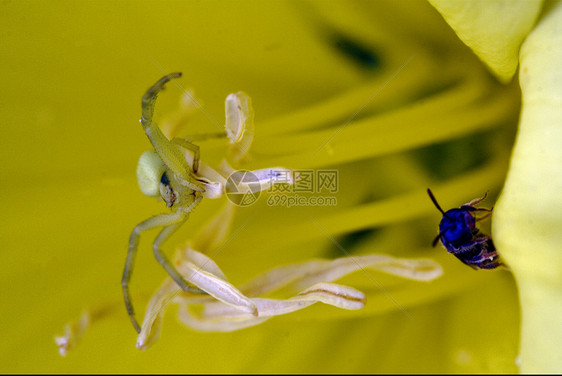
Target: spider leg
x: 165, y: 262
x: 163, y: 236
x: 185, y: 143
x: 169, y: 152
x: 156, y: 221
x: 207, y: 136
x: 149, y: 98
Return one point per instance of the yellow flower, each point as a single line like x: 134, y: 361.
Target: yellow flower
x: 173, y: 171
x: 382, y: 92
x: 528, y: 216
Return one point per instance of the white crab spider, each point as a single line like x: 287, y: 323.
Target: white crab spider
x: 173, y: 171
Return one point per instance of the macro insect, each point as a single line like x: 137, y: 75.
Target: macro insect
x: 460, y: 236
x: 163, y: 172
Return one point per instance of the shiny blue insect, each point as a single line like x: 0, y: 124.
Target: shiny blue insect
x: 461, y: 237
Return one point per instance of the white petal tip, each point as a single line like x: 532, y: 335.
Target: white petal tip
x: 142, y: 345
x: 63, y: 344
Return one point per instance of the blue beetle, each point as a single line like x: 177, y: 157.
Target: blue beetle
x: 460, y: 236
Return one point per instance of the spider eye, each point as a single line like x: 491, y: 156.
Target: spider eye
x: 164, y: 179
x: 150, y: 170
x: 166, y: 190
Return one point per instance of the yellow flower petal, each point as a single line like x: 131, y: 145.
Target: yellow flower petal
x: 71, y: 140
x: 528, y: 217
x: 494, y: 29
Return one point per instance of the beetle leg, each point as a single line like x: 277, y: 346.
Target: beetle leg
x: 486, y: 215
x: 489, y: 260
x: 473, y: 209
x: 438, y: 237
x: 477, y: 200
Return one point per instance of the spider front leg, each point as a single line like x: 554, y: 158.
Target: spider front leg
x: 185, y: 143
x: 169, y: 152
x: 172, y: 220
